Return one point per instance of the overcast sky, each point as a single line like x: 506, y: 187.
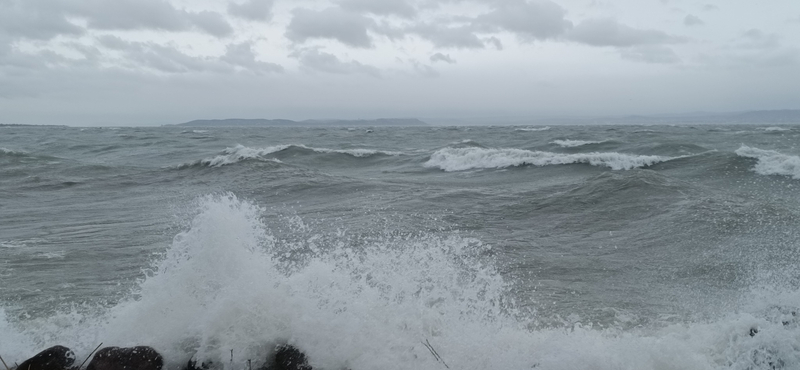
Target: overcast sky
x: 149, y: 62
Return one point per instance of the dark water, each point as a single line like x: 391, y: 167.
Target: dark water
x: 574, y: 247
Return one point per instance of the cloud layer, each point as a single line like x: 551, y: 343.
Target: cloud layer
x: 393, y: 48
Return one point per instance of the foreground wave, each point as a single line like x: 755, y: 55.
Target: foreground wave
x: 227, y: 290
x: 460, y: 159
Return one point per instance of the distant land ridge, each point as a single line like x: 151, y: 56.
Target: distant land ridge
x: 260, y: 122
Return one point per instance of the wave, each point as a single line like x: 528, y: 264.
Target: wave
x: 12, y: 153
x: 533, y: 129
x: 227, y: 286
x: 771, y: 162
x: 575, y: 143
x: 460, y: 159
x: 242, y: 153
x: 775, y: 129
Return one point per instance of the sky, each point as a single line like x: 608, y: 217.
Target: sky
x: 153, y: 62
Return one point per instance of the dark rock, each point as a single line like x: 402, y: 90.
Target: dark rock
x: 129, y: 358
x: 288, y: 357
x: 753, y: 332
x: 53, y: 358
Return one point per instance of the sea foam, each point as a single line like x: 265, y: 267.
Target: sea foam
x: 227, y: 290
x: 771, y: 162
x: 575, y: 143
x: 460, y: 159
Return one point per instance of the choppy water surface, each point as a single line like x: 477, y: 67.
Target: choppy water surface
x: 574, y: 247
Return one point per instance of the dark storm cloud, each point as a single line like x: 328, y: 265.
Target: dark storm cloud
x: 325, y: 62
x: 439, y: 57
x: 529, y: 20
x: 692, y: 20
x: 400, y: 8
x: 254, y: 10
x: 331, y: 23
x: 609, y: 32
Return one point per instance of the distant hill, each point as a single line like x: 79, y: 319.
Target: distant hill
x: 236, y: 122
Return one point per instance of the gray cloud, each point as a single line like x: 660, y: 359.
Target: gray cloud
x: 710, y: 7
x: 459, y: 37
x: 254, y: 10
x: 494, y: 41
x: 130, y: 15
x: 650, y: 54
x: 439, y: 57
x: 755, y: 38
x: 692, y: 20
x: 325, y: 62
x: 331, y: 23
x: 530, y: 20
x: 399, y: 8
x: 34, y: 19
x: 242, y: 55
x: 212, y: 23
x: 170, y: 60
x: 45, y: 19
x: 609, y: 32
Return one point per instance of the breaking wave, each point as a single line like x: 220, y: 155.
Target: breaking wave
x: 460, y: 159
x: 227, y: 290
x: 241, y: 153
x: 575, y: 143
x: 771, y: 162
x: 533, y: 129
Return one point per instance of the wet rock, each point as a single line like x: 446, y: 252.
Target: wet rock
x: 128, y: 358
x: 53, y: 358
x: 288, y: 357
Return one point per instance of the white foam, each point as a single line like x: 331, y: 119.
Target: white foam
x: 775, y: 128
x: 240, y: 153
x: 533, y: 129
x: 771, y: 162
x: 460, y: 159
x: 226, y: 283
x: 575, y: 143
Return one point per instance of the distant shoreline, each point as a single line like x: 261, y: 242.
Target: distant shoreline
x: 238, y: 122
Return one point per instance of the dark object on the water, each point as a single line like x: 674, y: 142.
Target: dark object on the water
x: 753, y: 331
x: 128, y: 358
x: 53, y: 358
x: 192, y: 365
x: 288, y: 357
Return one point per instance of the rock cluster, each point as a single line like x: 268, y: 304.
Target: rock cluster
x: 146, y: 358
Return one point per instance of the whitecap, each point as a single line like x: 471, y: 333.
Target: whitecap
x: 575, y: 143
x: 771, y: 162
x: 775, y: 129
x: 460, y: 159
x: 533, y: 129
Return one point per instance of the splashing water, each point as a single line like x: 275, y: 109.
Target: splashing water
x: 227, y: 284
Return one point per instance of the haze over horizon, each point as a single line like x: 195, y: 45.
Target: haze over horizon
x: 153, y: 62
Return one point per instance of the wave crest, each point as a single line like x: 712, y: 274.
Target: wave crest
x: 771, y: 162
x: 575, y: 143
x: 460, y: 159
x: 241, y: 153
